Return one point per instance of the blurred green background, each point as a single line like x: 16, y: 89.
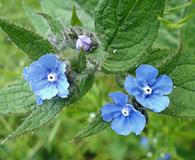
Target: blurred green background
x: 163, y: 134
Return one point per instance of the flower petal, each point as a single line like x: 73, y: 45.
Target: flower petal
x: 85, y: 39
x: 48, y: 92
x: 61, y: 67
x: 122, y: 125
x: 110, y: 111
x: 146, y: 73
x: 37, y: 72
x: 132, y: 86
x: 37, y: 86
x: 63, y: 87
x: 138, y: 122
x: 163, y: 85
x: 119, y: 98
x: 49, y: 60
x: 154, y: 102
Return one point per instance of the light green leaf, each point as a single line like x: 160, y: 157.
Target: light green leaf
x: 42, y: 115
x: 31, y: 43
x: 39, y: 23
x: 127, y: 29
x: 17, y: 99
x: 95, y: 127
x: 75, y: 21
x: 54, y: 24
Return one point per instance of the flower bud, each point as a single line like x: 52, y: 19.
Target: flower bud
x: 83, y: 42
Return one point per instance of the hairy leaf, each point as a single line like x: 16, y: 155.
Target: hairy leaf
x: 16, y: 99
x: 95, y: 127
x: 31, y: 43
x: 42, y: 115
x: 127, y: 29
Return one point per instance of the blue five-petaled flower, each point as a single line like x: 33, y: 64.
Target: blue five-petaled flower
x: 149, y: 90
x: 47, y: 78
x: 123, y: 116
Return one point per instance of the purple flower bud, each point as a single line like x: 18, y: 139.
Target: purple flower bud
x: 83, y: 42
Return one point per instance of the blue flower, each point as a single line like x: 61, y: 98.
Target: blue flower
x: 83, y: 42
x: 123, y: 116
x: 47, y: 78
x: 149, y: 90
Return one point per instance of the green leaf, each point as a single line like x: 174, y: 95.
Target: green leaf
x: 182, y: 98
x: 127, y: 29
x: 188, y: 31
x: 39, y: 23
x: 165, y: 60
x: 16, y: 99
x: 31, y: 43
x: 75, y: 21
x: 95, y: 127
x: 172, y: 38
x: 42, y: 115
x: 54, y: 24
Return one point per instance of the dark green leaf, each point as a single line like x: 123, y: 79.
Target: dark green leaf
x: 31, y: 43
x: 95, y: 127
x: 17, y: 99
x: 127, y: 29
x: 75, y: 21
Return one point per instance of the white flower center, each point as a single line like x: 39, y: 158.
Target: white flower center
x: 125, y: 111
x: 147, y: 90
x: 52, y: 77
